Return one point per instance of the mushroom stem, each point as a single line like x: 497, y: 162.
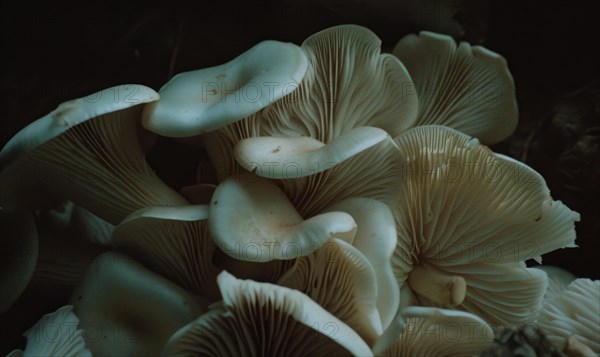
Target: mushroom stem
x: 440, y: 288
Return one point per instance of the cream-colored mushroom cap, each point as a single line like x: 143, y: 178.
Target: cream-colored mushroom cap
x: 55, y: 334
x: 18, y: 256
x: 349, y: 84
x: 573, y: 312
x: 468, y: 88
x: 339, y: 278
x: 466, y: 222
x: 204, y: 100
x: 252, y: 215
x: 291, y: 158
x: 74, y: 112
x: 174, y: 242
x: 126, y: 310
x: 265, y: 320
x: 421, y: 331
x: 376, y: 238
x: 97, y: 162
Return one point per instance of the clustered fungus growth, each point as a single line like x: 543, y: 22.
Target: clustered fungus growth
x: 354, y: 210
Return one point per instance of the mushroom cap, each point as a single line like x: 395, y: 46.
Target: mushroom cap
x: 348, y: 84
x: 98, y: 164
x: 421, y: 331
x: 204, y: 100
x: 19, y: 255
x: 291, y: 158
x: 265, y: 319
x: 74, y: 112
x: 468, y: 212
x: 339, y: 278
x: 468, y: 88
x: 174, y: 242
x: 56, y: 334
x: 124, y: 309
x: 251, y: 219
x: 573, y: 312
x: 376, y: 239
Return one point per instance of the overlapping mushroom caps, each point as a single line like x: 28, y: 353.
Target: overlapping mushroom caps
x: 571, y: 319
x: 376, y: 239
x: 126, y: 310
x: 253, y: 216
x: 201, y: 101
x: 339, y: 278
x: 87, y: 151
x: 173, y: 241
x: 55, y: 334
x: 467, y: 88
x: 265, y: 320
x: 467, y: 220
x: 427, y: 331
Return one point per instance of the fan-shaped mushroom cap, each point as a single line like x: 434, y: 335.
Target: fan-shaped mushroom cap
x: 124, y: 309
x: 174, y: 242
x: 468, y: 88
x: 264, y: 319
x: 376, y: 239
x: 251, y: 214
x: 97, y: 163
x: 339, y: 278
x: 56, y: 334
x: 91, y: 227
x: 574, y: 312
x: 204, y: 100
x: 199, y: 194
x: 18, y: 255
x: 72, y: 113
x: 466, y: 213
x: 429, y: 331
x: 348, y: 84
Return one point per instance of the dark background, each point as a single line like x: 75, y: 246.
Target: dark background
x: 54, y: 52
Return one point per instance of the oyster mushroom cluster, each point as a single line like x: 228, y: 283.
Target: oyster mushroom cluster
x: 355, y: 210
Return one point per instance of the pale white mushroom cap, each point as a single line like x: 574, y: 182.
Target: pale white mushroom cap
x: 204, y: 100
x: 573, y: 312
x: 265, y: 319
x: 73, y: 112
x: 426, y: 331
x: 136, y: 309
x: 376, y: 239
x: 341, y: 279
x: 471, y: 217
x: 468, y: 88
x: 252, y: 215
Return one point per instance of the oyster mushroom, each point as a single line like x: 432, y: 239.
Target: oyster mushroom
x: 251, y: 216
x: 421, y: 331
x: 92, y: 157
x: 174, y: 242
x: 339, y: 278
x: 124, y: 309
x: 19, y: 255
x: 467, y: 220
x: 376, y: 238
x: 348, y: 84
x: 571, y: 319
x: 55, y: 334
x: 204, y: 100
x: 265, y: 319
x: 468, y: 88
